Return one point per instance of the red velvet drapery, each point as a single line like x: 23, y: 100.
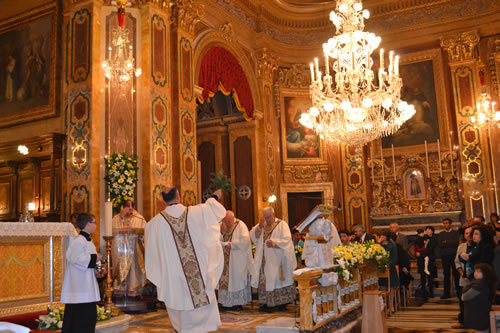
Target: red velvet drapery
x: 221, y: 71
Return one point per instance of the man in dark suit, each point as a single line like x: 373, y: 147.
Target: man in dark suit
x: 361, y: 235
x: 401, y: 238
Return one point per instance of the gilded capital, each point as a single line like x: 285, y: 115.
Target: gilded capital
x: 227, y: 31
x: 266, y: 64
x: 461, y: 47
x: 298, y: 76
x: 187, y: 14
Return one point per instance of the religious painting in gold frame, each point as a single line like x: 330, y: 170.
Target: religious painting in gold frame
x: 424, y: 87
x: 28, y: 61
x: 414, y: 184
x: 299, y: 144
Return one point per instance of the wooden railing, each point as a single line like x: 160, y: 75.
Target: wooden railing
x: 324, y: 298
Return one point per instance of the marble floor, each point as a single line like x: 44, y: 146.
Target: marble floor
x: 433, y: 316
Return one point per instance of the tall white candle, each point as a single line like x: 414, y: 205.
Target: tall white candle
x: 393, y: 162
x: 391, y: 63
x: 451, y: 154
x: 312, y: 72
x: 396, y: 65
x: 439, y: 160
x: 317, y: 66
x: 382, y: 161
x: 327, y: 70
x: 108, y: 219
x: 427, y: 159
x: 373, y: 164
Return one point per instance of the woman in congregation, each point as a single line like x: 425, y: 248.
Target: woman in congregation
x: 478, y: 297
x: 482, y: 252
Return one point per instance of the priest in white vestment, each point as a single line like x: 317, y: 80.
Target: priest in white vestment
x: 234, y: 285
x: 127, y: 251
x: 184, y: 260
x: 274, y: 262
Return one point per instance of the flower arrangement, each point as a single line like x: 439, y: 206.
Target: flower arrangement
x: 102, y: 313
x: 348, y: 257
x: 298, y: 251
x: 53, y: 320
x: 121, y: 176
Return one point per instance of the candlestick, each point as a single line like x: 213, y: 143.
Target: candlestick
x: 427, y: 159
x: 382, y: 160
x: 312, y: 72
x: 108, y: 291
x: 451, y: 155
x: 439, y: 159
x: 393, y: 162
x: 108, y: 219
x: 373, y: 164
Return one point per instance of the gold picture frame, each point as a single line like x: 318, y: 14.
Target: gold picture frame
x: 29, y: 58
x: 299, y: 144
x: 436, y: 104
x: 414, y: 184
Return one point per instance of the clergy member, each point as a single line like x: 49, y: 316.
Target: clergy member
x: 128, y: 251
x: 274, y: 262
x: 234, y: 286
x: 184, y: 260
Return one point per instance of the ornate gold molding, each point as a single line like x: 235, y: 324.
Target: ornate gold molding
x: 266, y: 64
x: 461, y: 47
x: 305, y: 174
x: 163, y: 4
x: 227, y: 31
x: 298, y: 76
x: 187, y: 13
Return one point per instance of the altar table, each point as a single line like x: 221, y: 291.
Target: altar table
x: 32, y: 265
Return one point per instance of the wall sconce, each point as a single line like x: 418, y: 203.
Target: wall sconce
x: 23, y: 149
x: 272, y: 198
x: 31, y: 206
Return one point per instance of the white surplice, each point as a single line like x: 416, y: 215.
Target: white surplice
x: 164, y: 268
x: 240, y: 260
x: 278, y: 259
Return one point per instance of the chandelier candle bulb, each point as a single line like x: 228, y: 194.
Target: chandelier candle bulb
x: 327, y: 69
x: 396, y: 65
x: 439, y: 160
x: 312, y: 73
x: 427, y: 159
x: 391, y: 63
x: 393, y: 162
x: 317, y: 68
x: 381, y: 60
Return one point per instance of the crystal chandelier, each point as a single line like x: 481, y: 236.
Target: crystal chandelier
x: 120, y: 66
x: 347, y: 106
x: 487, y: 114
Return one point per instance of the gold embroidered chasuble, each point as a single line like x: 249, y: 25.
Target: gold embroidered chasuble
x: 227, y: 237
x: 188, y: 258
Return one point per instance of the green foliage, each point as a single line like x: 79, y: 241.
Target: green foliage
x: 220, y: 181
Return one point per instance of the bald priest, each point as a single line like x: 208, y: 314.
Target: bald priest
x: 184, y: 259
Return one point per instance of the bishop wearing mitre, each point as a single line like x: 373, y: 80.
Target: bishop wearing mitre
x: 128, y: 250
x: 184, y: 260
x: 274, y: 262
x: 234, y: 285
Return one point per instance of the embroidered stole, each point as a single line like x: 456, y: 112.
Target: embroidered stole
x: 188, y: 258
x: 227, y: 236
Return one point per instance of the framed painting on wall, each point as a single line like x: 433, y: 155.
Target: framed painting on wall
x: 423, y: 87
x: 299, y: 143
x: 28, y: 66
x: 414, y: 184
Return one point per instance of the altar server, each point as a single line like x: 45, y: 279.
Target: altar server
x: 184, y: 260
x: 234, y: 286
x: 274, y: 262
x: 80, y: 291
